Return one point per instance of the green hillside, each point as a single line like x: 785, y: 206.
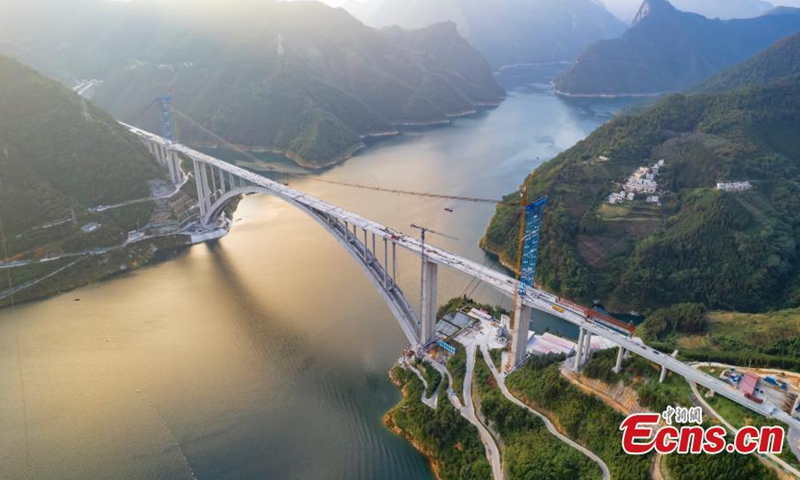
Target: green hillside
x: 733, y: 251
x: 667, y: 50
x: 333, y: 82
x: 781, y: 62
x: 54, y: 161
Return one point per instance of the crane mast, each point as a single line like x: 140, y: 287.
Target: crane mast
x: 527, y: 254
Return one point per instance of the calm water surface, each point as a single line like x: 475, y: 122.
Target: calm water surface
x: 264, y: 356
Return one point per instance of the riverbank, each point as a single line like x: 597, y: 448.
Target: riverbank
x: 39, y: 283
x: 563, y: 94
x: 448, y: 441
x: 388, y: 422
x: 352, y: 150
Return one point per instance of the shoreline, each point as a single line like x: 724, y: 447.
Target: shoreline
x: 561, y: 93
x: 388, y: 422
x: 354, y: 149
x: 532, y: 64
x: 151, y: 252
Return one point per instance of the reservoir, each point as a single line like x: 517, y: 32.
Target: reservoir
x: 265, y: 355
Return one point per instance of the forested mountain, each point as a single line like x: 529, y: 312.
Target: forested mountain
x: 55, y: 159
x: 506, y: 32
x: 298, y: 78
x: 668, y: 50
x: 724, y: 9
x: 726, y: 250
x: 779, y: 63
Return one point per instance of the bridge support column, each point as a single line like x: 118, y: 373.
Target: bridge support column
x: 179, y: 175
x: 159, y: 154
x: 198, y: 180
x: 222, y: 181
x: 587, y: 348
x: 394, y: 264
x: 579, y: 353
x: 429, y: 290
x: 203, y: 191
x: 171, y: 167
x: 214, y: 191
x: 663, y: 374
x: 519, y: 335
x: 386, y: 264
x: 620, y: 355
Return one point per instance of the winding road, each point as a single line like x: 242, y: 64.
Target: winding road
x: 428, y: 398
x: 468, y: 412
x: 501, y: 382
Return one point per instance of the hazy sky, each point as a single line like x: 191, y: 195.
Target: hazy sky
x: 625, y: 9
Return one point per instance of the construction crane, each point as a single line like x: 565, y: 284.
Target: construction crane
x: 166, y: 119
x: 527, y: 249
x: 425, y: 230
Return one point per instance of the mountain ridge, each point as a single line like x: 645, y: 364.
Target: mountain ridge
x: 507, y: 33
x: 331, y: 82
x: 779, y: 63
x: 668, y: 50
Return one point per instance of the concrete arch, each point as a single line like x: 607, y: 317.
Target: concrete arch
x: 393, y: 295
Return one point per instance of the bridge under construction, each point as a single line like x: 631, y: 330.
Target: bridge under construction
x: 374, y: 248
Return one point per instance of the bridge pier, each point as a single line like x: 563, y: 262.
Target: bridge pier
x: 159, y: 154
x: 366, y: 248
x: 519, y: 334
x: 587, y: 348
x: 198, y: 179
x: 579, y: 352
x: 584, y: 349
x: 385, y: 264
x: 214, y: 191
x: 663, y: 375
x: 430, y: 275
x: 203, y: 192
x: 171, y: 167
x: 620, y: 355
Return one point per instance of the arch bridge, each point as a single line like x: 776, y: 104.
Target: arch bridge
x: 374, y: 247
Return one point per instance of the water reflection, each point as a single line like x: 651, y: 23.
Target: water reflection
x: 264, y: 355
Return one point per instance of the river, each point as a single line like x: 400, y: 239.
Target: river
x: 266, y: 354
